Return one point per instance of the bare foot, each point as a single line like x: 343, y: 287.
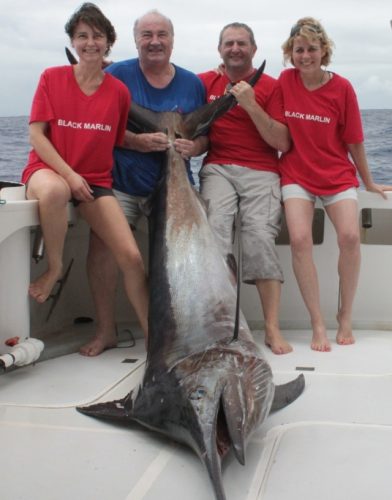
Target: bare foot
x: 42, y: 287
x: 274, y: 340
x: 344, y: 335
x: 320, y: 340
x: 98, y: 344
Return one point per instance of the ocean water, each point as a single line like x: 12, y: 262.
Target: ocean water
x: 377, y: 125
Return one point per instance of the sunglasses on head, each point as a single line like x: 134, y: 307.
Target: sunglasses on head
x: 297, y: 28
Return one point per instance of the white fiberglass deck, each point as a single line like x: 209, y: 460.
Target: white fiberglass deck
x: 333, y: 443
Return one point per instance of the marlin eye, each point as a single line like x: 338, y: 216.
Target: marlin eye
x: 199, y: 393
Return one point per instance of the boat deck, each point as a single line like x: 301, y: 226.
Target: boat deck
x: 333, y: 443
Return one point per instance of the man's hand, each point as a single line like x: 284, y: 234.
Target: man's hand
x: 185, y: 147
x: 146, y: 143
x: 244, y: 94
x: 188, y: 148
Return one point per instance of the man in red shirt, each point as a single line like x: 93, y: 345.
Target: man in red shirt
x: 240, y: 172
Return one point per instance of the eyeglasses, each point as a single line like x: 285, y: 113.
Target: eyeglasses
x: 297, y: 28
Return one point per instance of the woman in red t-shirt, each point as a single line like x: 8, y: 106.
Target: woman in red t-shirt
x: 78, y: 115
x: 323, y: 117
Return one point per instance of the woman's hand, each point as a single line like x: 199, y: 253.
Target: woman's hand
x: 80, y: 189
x: 379, y: 189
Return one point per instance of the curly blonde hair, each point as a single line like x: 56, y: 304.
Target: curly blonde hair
x: 310, y: 29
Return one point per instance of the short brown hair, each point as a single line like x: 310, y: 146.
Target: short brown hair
x: 238, y: 26
x: 90, y: 14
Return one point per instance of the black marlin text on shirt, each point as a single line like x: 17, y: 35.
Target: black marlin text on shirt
x: 307, y: 116
x: 85, y: 126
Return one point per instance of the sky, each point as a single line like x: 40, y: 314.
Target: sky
x: 32, y: 38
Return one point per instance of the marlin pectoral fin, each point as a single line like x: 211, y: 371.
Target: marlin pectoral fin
x: 142, y: 120
x: 120, y: 409
x: 71, y: 58
x: 254, y: 78
x: 287, y: 393
x: 198, y: 122
x: 235, y: 418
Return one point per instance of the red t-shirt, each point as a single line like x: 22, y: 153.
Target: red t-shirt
x: 234, y: 138
x: 321, y: 122
x: 83, y: 129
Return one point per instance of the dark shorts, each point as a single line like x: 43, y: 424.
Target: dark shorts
x: 98, y: 191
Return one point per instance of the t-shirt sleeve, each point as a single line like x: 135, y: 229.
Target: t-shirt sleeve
x: 352, y: 130
x: 274, y: 105
x: 200, y: 93
x: 125, y: 103
x: 41, y: 108
x: 207, y: 79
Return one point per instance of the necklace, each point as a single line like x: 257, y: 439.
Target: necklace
x: 314, y: 85
x: 322, y: 77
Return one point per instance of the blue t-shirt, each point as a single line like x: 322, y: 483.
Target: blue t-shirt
x: 137, y: 173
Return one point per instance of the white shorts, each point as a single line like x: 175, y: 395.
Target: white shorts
x: 296, y: 191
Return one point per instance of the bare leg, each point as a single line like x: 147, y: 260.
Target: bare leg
x: 299, y: 217
x: 269, y: 291
x: 344, y: 216
x: 53, y: 194
x: 102, y: 272
x: 107, y: 220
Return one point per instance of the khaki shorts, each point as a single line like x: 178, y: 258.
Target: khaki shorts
x: 255, y: 196
x: 131, y: 205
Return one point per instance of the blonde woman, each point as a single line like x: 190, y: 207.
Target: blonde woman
x: 326, y: 157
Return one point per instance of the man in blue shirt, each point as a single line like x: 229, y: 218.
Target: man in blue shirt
x: 157, y: 84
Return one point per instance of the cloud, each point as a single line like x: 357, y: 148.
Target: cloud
x: 32, y: 38
x: 376, y: 90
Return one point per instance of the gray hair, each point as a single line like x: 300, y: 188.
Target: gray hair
x: 156, y: 13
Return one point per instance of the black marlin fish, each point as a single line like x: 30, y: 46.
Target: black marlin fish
x: 203, y: 385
